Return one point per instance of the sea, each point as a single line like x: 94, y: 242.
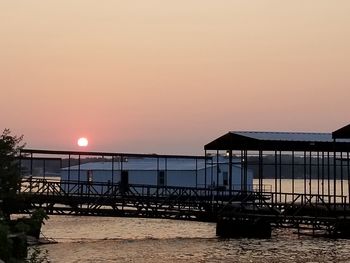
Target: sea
x: 114, y: 239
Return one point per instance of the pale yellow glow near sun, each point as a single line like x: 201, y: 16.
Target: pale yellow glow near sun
x: 83, y: 142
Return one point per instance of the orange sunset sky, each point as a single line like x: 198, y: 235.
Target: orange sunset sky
x: 169, y: 76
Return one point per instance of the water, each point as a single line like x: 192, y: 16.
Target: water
x: 96, y: 239
x: 315, y: 187
x: 105, y: 239
x: 311, y: 186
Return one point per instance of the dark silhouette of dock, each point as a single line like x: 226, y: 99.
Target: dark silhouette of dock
x: 314, y: 213
x: 321, y: 206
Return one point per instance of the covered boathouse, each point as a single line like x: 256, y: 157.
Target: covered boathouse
x: 310, y: 178
x: 311, y: 163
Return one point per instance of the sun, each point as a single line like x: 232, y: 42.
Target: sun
x: 83, y: 142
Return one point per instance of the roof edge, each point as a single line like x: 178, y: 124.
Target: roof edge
x: 342, y: 133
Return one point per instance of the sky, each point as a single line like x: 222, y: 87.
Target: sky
x: 161, y: 76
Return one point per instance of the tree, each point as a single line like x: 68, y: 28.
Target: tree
x: 10, y: 147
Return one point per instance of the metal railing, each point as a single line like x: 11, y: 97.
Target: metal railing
x: 293, y: 210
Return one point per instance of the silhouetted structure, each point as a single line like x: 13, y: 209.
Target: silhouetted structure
x: 303, y: 183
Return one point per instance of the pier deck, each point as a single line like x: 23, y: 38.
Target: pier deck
x: 303, y: 212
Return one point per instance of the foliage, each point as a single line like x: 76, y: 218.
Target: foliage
x: 30, y: 226
x: 13, y: 240
x: 21, y: 227
x: 13, y: 247
x: 5, y: 243
x: 35, y: 221
x: 39, y: 216
x: 10, y: 147
x: 19, y: 247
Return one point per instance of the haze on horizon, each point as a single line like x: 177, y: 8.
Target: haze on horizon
x: 170, y: 76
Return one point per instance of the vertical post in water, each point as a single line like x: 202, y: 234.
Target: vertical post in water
x: 305, y: 173
x: 112, y: 171
x: 157, y: 168
x: 334, y: 173
x: 348, y: 169
x: 217, y: 169
x: 276, y: 173
x: 31, y: 172
x: 205, y: 170
x: 245, y: 177
x: 262, y: 174
x: 79, y: 168
x: 341, y: 176
x: 212, y: 168
x: 293, y: 175
x: 318, y: 172
x: 230, y: 170
x: 31, y: 164
x: 322, y: 173
x: 212, y: 175
x: 79, y: 185
x: 44, y: 168
x: 68, y: 173
x: 20, y: 169
x: 280, y: 172
x: 242, y: 171
x: 196, y: 172
x: 329, y: 176
x: 260, y: 170
x: 310, y: 172
x: 166, y: 168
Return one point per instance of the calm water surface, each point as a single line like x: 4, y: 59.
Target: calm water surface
x: 96, y: 239
x: 104, y: 239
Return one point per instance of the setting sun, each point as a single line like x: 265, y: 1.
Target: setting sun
x: 83, y: 142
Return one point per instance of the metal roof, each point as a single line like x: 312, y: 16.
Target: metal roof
x: 288, y: 136
x: 342, y: 133
x: 279, y: 141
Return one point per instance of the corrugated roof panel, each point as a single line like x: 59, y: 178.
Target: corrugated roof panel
x: 289, y: 136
